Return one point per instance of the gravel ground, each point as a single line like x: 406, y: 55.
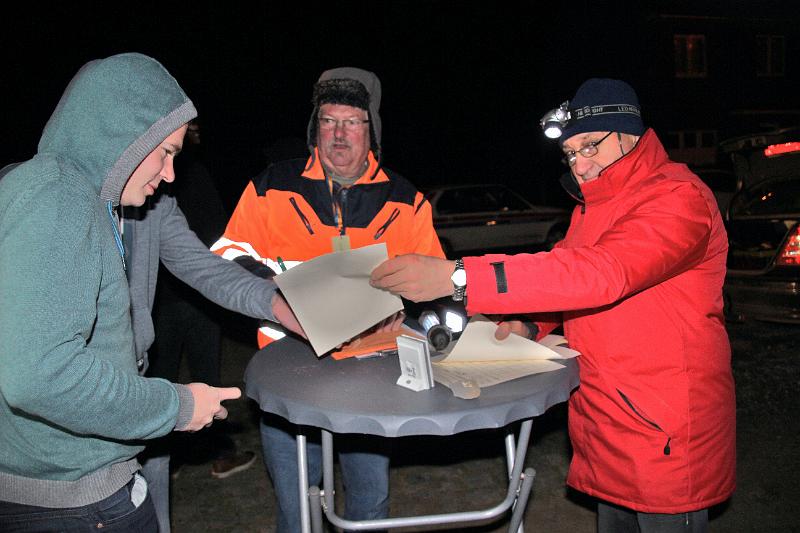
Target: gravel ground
x: 435, y: 474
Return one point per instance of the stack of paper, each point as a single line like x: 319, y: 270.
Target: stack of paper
x: 479, y: 360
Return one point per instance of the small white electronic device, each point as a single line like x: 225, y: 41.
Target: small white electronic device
x: 415, y: 363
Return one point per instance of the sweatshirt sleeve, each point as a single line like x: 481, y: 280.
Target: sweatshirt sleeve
x: 664, y: 234
x: 223, y: 282
x: 67, y: 356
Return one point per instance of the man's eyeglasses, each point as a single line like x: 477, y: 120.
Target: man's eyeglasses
x: 590, y: 150
x: 349, y: 124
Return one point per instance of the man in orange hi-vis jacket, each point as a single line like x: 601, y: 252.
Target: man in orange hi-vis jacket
x: 341, y: 197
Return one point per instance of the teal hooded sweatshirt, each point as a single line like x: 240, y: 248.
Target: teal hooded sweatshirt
x: 72, y: 406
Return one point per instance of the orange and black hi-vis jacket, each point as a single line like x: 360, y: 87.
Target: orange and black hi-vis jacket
x: 290, y: 212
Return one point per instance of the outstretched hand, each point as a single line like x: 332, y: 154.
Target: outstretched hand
x: 208, y: 404
x: 415, y: 277
x: 283, y: 314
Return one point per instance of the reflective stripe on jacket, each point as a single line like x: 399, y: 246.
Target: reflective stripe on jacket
x: 639, y: 281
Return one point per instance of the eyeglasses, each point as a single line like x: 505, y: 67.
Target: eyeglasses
x: 349, y: 124
x: 590, y: 150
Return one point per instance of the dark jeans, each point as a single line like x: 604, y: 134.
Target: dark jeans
x: 615, y: 519
x: 364, y: 461
x: 115, y: 513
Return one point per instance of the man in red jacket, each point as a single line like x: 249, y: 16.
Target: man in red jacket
x: 637, y: 283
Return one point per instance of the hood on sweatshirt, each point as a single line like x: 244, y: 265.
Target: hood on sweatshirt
x: 113, y: 113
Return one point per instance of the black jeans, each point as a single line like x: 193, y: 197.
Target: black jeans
x: 116, y: 513
x: 615, y: 519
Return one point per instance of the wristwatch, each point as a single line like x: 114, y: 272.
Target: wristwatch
x: 459, y: 278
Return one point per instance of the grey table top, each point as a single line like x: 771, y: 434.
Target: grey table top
x: 361, y: 396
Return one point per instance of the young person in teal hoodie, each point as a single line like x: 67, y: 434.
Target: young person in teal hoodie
x: 73, y: 408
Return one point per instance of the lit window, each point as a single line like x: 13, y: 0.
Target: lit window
x: 690, y: 56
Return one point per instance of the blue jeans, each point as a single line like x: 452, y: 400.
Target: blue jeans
x: 364, y: 461
x: 616, y: 519
x: 115, y: 513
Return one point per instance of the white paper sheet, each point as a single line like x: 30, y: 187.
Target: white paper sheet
x: 477, y: 343
x: 332, y: 298
x: 488, y: 373
x: 479, y: 360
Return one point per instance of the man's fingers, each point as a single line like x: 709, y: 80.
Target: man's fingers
x: 388, y: 281
x: 502, y: 331
x: 221, y: 414
x: 387, y: 268
x: 391, y: 323
x: 229, y: 393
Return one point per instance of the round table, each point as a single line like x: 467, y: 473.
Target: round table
x: 361, y: 396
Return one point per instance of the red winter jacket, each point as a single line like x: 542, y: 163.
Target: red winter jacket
x: 639, y: 281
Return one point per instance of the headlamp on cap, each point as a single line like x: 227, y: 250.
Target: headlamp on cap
x: 554, y: 121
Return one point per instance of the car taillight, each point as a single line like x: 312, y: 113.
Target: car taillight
x: 790, y: 253
x: 784, y: 148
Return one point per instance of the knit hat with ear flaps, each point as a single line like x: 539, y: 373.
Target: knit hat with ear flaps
x: 602, y: 104
x: 353, y: 87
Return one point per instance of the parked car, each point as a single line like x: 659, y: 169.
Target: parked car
x: 763, y: 279
x: 489, y: 218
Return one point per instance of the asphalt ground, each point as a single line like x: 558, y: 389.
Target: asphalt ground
x: 467, y: 471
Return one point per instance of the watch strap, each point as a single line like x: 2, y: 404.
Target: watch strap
x: 459, y: 290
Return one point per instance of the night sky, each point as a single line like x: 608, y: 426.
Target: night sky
x: 463, y: 87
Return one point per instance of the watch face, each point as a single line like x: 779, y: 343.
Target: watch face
x: 459, y: 278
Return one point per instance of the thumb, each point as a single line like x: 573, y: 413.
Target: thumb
x: 503, y: 330
x: 229, y: 393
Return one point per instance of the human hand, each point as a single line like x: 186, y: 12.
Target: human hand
x: 415, y: 277
x: 283, y: 314
x: 208, y: 404
x: 504, y: 329
x: 391, y: 323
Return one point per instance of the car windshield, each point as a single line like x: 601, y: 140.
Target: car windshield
x: 774, y: 197
x: 479, y: 199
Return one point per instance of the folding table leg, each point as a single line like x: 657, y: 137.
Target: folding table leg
x: 327, y: 471
x: 522, y: 499
x: 302, y: 478
x: 315, y: 503
x: 514, y: 454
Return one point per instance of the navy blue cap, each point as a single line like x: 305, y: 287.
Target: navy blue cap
x: 603, y: 104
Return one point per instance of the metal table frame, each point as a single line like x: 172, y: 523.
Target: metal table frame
x: 314, y: 502
x: 292, y: 383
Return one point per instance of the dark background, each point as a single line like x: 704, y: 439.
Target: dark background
x: 463, y: 85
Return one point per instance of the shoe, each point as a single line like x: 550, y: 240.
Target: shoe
x: 229, y: 465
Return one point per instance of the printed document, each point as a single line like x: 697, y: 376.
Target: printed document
x: 479, y: 360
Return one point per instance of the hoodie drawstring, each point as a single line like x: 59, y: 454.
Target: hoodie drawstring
x: 117, y: 237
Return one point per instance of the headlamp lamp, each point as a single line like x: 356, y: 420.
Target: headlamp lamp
x: 554, y: 121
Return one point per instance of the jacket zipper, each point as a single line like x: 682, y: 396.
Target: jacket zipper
x: 667, y: 449
x: 301, y: 215
x: 386, y: 225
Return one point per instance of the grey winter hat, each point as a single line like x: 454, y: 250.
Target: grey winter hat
x: 348, y: 86
x: 602, y: 104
